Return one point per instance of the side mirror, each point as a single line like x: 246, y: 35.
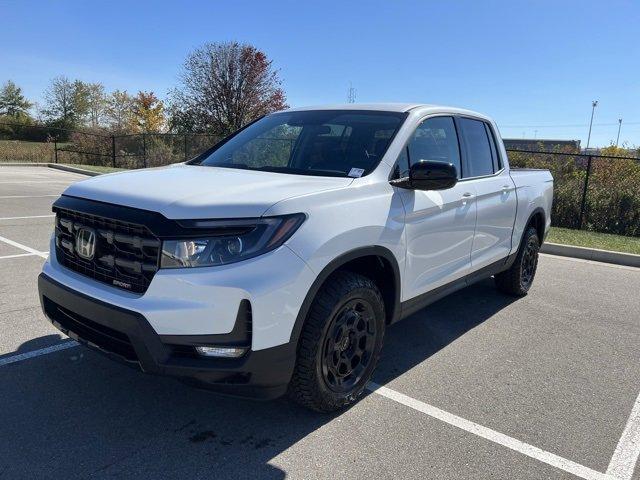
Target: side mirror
x: 432, y: 175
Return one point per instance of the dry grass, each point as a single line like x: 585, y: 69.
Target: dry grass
x: 20, y: 151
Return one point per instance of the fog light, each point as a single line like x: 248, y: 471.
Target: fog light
x: 225, y: 352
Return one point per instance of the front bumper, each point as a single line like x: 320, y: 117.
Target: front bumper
x: 127, y: 336
x: 204, y: 301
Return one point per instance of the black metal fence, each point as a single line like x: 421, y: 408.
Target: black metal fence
x: 593, y: 192
x: 27, y: 143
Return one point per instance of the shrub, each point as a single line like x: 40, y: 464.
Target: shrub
x: 613, y: 196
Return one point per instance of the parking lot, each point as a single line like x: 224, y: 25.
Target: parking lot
x: 478, y: 385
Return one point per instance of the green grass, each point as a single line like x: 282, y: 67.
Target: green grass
x: 603, y: 241
x: 95, y: 168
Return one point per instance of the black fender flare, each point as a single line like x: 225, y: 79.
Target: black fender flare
x: 536, y: 211
x: 511, y: 258
x: 334, y: 265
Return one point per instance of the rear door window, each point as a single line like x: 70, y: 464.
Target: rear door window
x: 477, y: 147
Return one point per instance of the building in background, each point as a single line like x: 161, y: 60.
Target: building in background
x: 539, y: 144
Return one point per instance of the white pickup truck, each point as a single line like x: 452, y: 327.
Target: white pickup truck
x: 275, y: 261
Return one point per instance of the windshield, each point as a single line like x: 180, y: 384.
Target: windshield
x: 317, y: 142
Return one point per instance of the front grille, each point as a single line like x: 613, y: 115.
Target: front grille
x: 126, y: 255
x: 105, y: 338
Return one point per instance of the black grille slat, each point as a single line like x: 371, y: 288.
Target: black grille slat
x: 126, y: 255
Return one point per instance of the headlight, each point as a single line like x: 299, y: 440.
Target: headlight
x: 228, y: 241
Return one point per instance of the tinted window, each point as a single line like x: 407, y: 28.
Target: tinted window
x: 497, y: 163
x: 478, y: 148
x: 436, y: 139
x: 314, y: 142
x: 402, y: 165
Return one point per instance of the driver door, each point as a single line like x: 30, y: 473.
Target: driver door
x: 439, y: 224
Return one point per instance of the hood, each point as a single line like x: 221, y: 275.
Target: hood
x: 191, y: 191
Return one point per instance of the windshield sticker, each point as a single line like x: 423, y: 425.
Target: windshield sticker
x: 356, y: 172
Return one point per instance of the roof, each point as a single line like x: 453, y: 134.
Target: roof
x: 391, y: 107
x: 384, y: 107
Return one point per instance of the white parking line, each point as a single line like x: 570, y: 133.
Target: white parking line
x: 28, y: 196
x: 18, y: 255
x: 36, y: 353
x: 621, y: 467
x: 24, y: 247
x: 624, y: 459
x: 31, y: 216
x: 491, y: 435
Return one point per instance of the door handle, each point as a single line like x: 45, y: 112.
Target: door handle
x: 506, y: 188
x: 466, y: 196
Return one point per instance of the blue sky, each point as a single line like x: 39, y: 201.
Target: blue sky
x: 535, y: 66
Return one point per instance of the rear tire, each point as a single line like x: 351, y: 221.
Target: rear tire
x: 518, y: 279
x: 340, y: 343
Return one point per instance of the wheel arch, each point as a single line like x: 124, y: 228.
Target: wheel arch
x: 537, y: 220
x: 359, y: 257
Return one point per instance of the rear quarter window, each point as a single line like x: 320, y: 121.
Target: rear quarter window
x: 478, y: 148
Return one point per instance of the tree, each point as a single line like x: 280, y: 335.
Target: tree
x: 148, y: 113
x: 12, y: 102
x: 96, y: 103
x: 118, y: 112
x: 223, y: 87
x: 67, y: 102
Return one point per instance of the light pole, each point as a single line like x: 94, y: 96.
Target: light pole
x: 619, y: 127
x: 594, y: 104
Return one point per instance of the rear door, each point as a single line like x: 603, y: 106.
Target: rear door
x: 439, y: 223
x: 495, y: 192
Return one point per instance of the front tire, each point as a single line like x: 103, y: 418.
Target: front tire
x: 340, y: 343
x: 518, y: 279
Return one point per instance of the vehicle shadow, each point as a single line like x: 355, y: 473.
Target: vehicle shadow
x: 75, y: 414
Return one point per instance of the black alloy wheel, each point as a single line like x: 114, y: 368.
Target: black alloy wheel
x: 339, y: 344
x: 348, y: 345
x: 529, y: 263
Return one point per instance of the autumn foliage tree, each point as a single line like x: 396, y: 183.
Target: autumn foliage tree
x: 224, y: 86
x: 147, y: 113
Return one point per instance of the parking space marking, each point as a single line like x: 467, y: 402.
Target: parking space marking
x: 624, y: 459
x: 23, y: 218
x: 621, y: 466
x: 18, y: 255
x: 491, y: 435
x: 28, y: 196
x: 36, y: 353
x: 24, y: 247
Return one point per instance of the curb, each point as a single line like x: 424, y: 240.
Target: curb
x: 57, y: 166
x: 594, y: 254
x: 67, y: 168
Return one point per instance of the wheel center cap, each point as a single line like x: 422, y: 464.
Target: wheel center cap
x: 343, y: 344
